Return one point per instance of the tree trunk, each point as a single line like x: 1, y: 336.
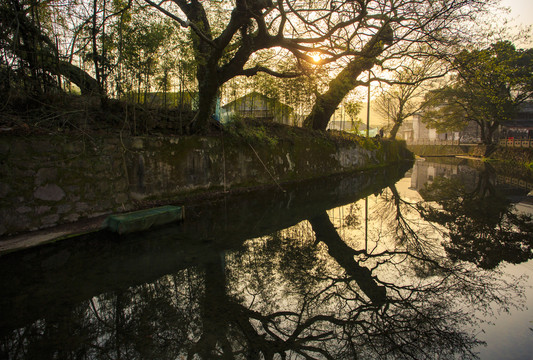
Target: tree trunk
x: 487, y: 140
x: 344, y: 255
x: 491, y: 129
x: 346, y: 80
x: 394, y: 131
x: 487, y: 131
x: 207, y: 94
x: 484, y: 132
x: 94, y: 33
x: 339, y: 87
x: 87, y: 84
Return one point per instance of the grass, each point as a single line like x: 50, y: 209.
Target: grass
x: 252, y: 132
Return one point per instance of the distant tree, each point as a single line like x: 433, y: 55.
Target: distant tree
x: 405, y: 97
x: 353, y: 109
x: 488, y: 88
x: 146, y: 41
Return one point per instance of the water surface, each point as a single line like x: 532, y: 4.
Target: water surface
x: 389, y: 264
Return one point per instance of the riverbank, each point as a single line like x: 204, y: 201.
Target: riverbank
x: 512, y: 165
x: 442, y: 150
x: 514, y: 156
x: 55, y: 180
x: 507, y: 156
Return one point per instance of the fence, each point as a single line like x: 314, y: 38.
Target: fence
x: 517, y: 143
x: 433, y: 142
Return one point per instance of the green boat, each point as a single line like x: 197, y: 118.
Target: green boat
x: 143, y: 219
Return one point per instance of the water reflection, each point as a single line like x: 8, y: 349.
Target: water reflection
x: 299, y: 281
x: 482, y: 223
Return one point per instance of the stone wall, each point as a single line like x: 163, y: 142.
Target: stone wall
x: 441, y: 150
x: 515, y: 156
x: 51, y: 180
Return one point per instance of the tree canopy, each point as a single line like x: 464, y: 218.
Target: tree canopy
x: 115, y: 48
x: 488, y: 87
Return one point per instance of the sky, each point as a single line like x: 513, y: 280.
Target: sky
x: 521, y: 10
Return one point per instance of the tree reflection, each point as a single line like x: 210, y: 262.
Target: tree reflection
x: 483, y: 226
x: 367, y: 306
x: 301, y: 293
x: 419, y: 238
x: 345, y: 257
x: 150, y: 321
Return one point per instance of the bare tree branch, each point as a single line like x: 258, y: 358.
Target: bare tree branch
x: 182, y: 22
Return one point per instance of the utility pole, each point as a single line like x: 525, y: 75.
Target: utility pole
x: 368, y: 107
x: 366, y: 224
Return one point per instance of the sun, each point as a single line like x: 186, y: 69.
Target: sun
x: 316, y: 57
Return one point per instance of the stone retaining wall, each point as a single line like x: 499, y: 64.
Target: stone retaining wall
x: 441, y: 150
x: 516, y: 156
x: 51, y: 180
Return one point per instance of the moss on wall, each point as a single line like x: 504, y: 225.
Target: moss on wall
x: 440, y: 150
x: 521, y: 156
x: 516, y: 162
x: 50, y: 180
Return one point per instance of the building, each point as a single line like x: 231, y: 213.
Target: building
x: 258, y: 106
x: 414, y: 131
x: 424, y: 173
x: 340, y: 120
x: 406, y: 131
x: 521, y: 126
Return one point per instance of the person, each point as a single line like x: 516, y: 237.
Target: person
x: 381, y: 132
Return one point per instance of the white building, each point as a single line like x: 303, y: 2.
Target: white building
x: 414, y: 131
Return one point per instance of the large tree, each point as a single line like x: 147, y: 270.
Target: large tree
x: 347, y: 37
x: 221, y: 53
x: 387, y: 33
x: 489, y: 86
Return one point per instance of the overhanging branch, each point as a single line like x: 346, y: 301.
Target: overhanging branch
x: 182, y: 22
x: 412, y: 83
x: 253, y: 71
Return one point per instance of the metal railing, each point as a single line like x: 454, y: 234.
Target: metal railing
x: 433, y: 142
x: 517, y: 143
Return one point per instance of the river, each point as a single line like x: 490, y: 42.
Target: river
x: 423, y: 261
